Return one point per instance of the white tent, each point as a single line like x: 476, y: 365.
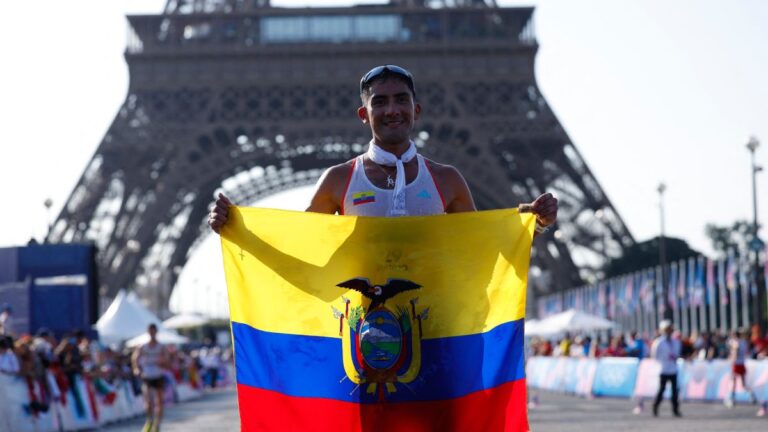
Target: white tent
x: 532, y: 327
x: 163, y: 336
x: 125, y: 318
x: 568, y: 321
x: 185, y: 320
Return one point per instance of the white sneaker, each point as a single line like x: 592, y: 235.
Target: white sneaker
x: 728, y: 403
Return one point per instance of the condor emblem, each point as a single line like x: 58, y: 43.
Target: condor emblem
x: 381, y: 347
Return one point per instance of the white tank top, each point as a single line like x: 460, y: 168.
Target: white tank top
x: 363, y: 198
x: 151, y: 356
x: 741, y: 351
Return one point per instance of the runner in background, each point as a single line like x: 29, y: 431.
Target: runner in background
x: 149, y: 362
x: 738, y: 349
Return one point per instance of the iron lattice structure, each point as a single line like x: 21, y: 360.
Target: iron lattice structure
x: 252, y: 100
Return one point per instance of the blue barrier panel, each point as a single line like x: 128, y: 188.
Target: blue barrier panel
x: 699, y: 380
x: 542, y: 376
x: 9, y: 264
x: 757, y: 378
x: 693, y: 379
x: 585, y: 373
x: 615, y: 377
x: 555, y: 379
x: 570, y: 379
x: 579, y: 376
x: 535, y: 370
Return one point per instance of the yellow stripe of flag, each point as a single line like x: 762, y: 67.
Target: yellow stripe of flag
x: 472, y: 267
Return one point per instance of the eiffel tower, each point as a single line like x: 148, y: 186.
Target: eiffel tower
x: 249, y: 99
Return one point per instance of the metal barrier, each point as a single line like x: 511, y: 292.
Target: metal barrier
x: 699, y: 380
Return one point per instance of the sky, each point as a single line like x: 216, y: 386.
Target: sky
x: 648, y: 91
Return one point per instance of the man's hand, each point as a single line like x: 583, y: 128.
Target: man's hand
x: 544, y: 207
x: 219, y: 213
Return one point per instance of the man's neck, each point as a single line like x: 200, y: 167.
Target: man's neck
x: 396, y: 149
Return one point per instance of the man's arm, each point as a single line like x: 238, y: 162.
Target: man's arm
x: 453, y: 188
x: 458, y: 198
x: 135, y: 361
x: 328, y: 196
x: 329, y: 193
x: 654, y: 348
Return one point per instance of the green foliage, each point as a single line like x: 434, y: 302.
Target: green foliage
x: 405, y: 318
x: 645, y: 254
x: 354, y: 316
x: 735, y: 237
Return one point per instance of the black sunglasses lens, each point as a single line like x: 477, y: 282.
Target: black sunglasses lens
x: 378, y: 70
x: 373, y: 73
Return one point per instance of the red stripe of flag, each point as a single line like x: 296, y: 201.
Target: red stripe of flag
x: 502, y: 409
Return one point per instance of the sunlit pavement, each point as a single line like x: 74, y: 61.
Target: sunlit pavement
x: 557, y: 412
x: 215, y: 411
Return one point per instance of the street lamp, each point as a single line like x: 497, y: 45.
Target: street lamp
x: 663, y: 255
x: 756, y: 244
x: 48, y: 203
x: 600, y: 215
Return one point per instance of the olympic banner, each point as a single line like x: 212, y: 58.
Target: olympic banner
x: 580, y: 376
x: 615, y: 377
x: 352, y: 323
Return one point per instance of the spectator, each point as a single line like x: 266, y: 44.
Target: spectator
x: 9, y: 363
x: 6, y: 320
x: 701, y: 346
x: 71, y: 366
x: 9, y: 367
x: 577, y: 347
x: 615, y: 348
x: 759, y: 343
x: 43, y: 344
x: 666, y: 350
x: 564, y: 347
x: 635, y: 345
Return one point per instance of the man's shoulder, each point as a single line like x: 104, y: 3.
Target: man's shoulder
x: 440, y: 168
x: 340, y: 171
x: 444, y: 174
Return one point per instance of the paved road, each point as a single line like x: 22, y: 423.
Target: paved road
x: 215, y: 411
x: 555, y: 413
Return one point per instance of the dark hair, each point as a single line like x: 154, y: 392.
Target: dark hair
x: 382, y: 73
x: 152, y: 326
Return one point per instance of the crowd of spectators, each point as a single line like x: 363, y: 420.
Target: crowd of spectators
x: 695, y: 346
x: 50, y: 366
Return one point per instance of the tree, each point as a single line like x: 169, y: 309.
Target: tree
x: 735, y: 237
x: 645, y: 254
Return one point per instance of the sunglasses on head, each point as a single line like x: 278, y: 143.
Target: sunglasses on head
x: 379, y: 70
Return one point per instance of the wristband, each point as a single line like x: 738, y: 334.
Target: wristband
x: 539, y: 228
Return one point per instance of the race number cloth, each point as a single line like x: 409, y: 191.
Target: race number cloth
x: 344, y: 323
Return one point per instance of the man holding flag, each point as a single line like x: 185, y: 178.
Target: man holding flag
x: 391, y: 179
x: 438, y: 346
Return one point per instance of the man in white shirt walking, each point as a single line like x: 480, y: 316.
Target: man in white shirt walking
x: 666, y: 351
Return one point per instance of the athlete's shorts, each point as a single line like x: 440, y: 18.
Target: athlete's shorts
x: 739, y: 369
x: 155, y: 383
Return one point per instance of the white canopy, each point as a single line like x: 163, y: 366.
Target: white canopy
x: 185, y: 320
x: 569, y: 321
x: 125, y: 318
x: 163, y: 336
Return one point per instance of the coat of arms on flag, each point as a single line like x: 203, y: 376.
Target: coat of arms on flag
x: 360, y: 323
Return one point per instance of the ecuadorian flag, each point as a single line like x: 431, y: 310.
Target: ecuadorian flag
x: 344, y: 323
